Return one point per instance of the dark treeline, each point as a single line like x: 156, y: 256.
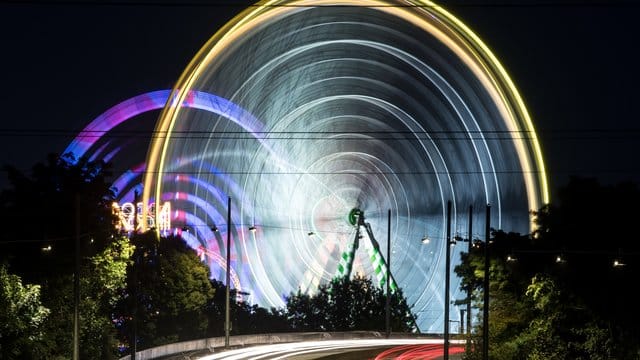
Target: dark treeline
x: 565, y: 291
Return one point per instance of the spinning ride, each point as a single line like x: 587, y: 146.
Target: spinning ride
x: 367, y: 104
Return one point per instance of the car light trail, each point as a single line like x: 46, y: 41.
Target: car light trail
x: 406, y: 349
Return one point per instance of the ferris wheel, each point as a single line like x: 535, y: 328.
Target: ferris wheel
x: 320, y: 109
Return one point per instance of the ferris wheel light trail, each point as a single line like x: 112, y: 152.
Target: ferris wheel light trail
x: 154, y: 100
x: 321, y: 109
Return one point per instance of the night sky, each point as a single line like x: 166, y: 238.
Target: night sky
x: 575, y: 64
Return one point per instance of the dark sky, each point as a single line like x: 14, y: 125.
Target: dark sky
x: 575, y: 62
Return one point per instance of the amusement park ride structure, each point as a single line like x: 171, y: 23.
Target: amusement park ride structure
x: 380, y: 265
x: 363, y: 231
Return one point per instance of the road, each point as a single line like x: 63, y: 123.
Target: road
x: 361, y: 349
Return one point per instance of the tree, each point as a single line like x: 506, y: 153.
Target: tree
x: 102, y: 280
x: 348, y: 305
x: 63, y: 200
x: 21, y: 317
x: 562, y: 327
x: 59, y: 200
x: 589, y: 224
x: 245, y: 318
x: 309, y: 313
x: 168, y: 289
x: 530, y: 317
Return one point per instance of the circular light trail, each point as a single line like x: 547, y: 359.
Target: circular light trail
x: 102, y: 140
x: 370, y: 104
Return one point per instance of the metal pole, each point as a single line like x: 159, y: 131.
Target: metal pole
x: 447, y: 283
x: 227, y: 327
x: 136, y: 263
x: 469, y: 290
x: 388, y: 306
x: 76, y: 287
x: 485, y: 309
x: 134, y: 321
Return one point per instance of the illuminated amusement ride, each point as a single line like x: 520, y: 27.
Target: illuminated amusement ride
x: 302, y: 111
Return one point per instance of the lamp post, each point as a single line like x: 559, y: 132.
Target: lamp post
x: 76, y: 286
x: 485, y: 303
x: 447, y: 282
x: 470, y: 236
x: 227, y: 327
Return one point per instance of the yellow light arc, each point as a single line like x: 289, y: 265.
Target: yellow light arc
x: 427, y: 15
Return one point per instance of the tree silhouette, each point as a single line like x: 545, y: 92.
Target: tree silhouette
x: 167, y: 291
x: 58, y: 202
x: 348, y: 305
x: 555, y: 293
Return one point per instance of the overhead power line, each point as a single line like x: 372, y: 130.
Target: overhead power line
x: 396, y: 135
x: 354, y: 172
x: 246, y: 4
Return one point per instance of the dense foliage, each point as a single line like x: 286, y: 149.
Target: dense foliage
x: 21, y: 317
x: 556, y: 294
x: 62, y: 206
x: 245, y: 318
x: 348, y: 305
x: 168, y: 289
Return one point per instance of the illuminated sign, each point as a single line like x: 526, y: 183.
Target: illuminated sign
x: 130, y: 217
